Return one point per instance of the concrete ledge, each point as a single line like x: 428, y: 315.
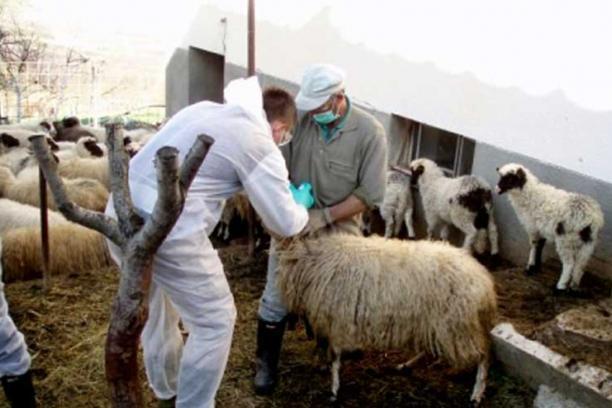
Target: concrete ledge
x: 538, y: 365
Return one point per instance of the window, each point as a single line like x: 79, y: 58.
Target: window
x: 452, y: 152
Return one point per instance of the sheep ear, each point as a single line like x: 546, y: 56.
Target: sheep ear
x: 521, y: 173
x: 497, y: 169
x: 8, y: 140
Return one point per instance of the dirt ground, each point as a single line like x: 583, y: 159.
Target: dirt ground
x: 65, y: 331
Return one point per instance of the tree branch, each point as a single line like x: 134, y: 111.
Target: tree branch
x: 129, y: 221
x: 90, y: 219
x: 172, y: 191
x: 194, y: 160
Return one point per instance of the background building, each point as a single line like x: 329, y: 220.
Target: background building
x: 516, y: 84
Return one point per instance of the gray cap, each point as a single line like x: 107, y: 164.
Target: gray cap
x: 319, y: 83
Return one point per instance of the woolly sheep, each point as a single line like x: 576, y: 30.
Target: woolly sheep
x: 397, y: 205
x: 73, y: 249
x: 465, y: 202
x: 84, y: 192
x: 237, y: 205
x: 18, y: 215
x: 380, y: 294
x: 571, y: 220
x: 92, y: 168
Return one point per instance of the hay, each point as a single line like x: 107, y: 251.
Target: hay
x: 74, y: 249
x: 65, y: 332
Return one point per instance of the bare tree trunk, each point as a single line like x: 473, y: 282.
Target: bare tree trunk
x: 18, y: 95
x: 139, y: 242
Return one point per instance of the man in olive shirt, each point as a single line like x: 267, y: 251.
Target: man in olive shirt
x: 342, y: 152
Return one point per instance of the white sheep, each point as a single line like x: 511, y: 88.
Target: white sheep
x: 465, y: 202
x: 91, y: 168
x: 572, y: 221
x: 18, y: 215
x: 73, y: 249
x: 397, y: 206
x: 25, y: 189
x: 386, y: 294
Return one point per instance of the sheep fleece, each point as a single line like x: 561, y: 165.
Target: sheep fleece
x: 372, y: 293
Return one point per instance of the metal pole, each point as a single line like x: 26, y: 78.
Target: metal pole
x: 251, y: 71
x: 251, y: 39
x: 44, y: 230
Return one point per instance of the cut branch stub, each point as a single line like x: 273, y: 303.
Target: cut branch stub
x: 90, y: 219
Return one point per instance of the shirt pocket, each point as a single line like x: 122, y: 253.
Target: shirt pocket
x: 342, y: 170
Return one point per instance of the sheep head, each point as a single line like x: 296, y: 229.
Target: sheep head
x: 512, y: 176
x: 423, y: 167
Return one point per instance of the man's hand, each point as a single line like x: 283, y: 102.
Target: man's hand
x: 317, y: 219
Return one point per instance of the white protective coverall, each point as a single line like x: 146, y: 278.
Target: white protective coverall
x: 14, y: 356
x: 188, y: 279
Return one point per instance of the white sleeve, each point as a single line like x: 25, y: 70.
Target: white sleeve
x: 267, y: 186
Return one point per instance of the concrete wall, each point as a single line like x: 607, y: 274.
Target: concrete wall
x: 514, y: 244
x: 513, y: 239
x: 446, y: 80
x: 193, y: 75
x: 177, y: 83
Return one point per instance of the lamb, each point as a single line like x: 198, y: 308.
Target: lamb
x: 73, y: 249
x: 380, y: 294
x: 571, y: 220
x: 397, y: 205
x: 17, y: 215
x: 465, y: 202
x: 25, y: 189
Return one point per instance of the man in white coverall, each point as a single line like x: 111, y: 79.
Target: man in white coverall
x: 14, y: 358
x: 188, y: 278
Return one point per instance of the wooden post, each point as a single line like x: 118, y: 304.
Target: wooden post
x: 44, y: 230
x: 251, y: 218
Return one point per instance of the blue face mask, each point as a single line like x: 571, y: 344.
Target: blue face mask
x: 325, y: 118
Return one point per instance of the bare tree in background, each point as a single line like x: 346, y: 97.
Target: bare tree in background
x: 20, y: 51
x: 139, y: 241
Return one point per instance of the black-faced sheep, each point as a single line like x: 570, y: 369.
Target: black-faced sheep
x: 572, y: 221
x: 71, y: 130
x: 397, y: 206
x: 465, y: 202
x: 380, y: 294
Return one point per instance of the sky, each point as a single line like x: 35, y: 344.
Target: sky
x: 94, y: 23
x: 539, y: 46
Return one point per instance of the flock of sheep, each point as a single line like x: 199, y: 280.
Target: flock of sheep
x: 427, y: 296
x: 81, y: 155
x: 357, y: 293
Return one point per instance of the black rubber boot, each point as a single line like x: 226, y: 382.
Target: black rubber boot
x: 19, y: 390
x: 269, y: 341
x: 169, y: 403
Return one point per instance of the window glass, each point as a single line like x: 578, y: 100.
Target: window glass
x: 439, y: 146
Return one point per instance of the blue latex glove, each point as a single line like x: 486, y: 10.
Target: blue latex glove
x: 303, y: 194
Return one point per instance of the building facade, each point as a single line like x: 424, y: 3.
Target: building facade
x: 456, y: 113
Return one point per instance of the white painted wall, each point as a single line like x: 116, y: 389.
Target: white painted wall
x: 530, y: 77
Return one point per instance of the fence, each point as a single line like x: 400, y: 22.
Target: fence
x: 87, y: 89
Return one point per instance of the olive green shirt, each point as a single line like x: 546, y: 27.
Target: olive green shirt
x: 353, y: 161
